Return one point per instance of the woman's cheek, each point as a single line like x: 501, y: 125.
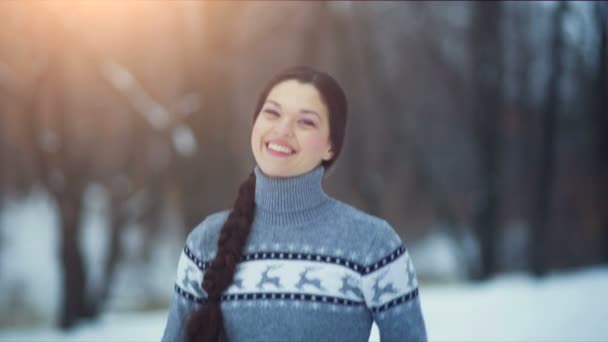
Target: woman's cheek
x: 256, y: 135
x: 316, y: 143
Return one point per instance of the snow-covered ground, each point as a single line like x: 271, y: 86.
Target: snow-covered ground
x: 569, y: 306
x: 564, y: 307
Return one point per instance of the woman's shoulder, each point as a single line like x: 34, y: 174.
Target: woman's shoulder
x: 371, y: 234
x: 203, y: 237
x: 368, y: 224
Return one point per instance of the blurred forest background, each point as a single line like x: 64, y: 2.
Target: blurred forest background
x: 479, y: 127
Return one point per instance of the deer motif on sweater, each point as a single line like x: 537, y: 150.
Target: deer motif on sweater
x: 276, y: 281
x: 349, y: 283
x: 238, y: 283
x: 304, y: 280
x: 379, y: 291
x: 192, y: 283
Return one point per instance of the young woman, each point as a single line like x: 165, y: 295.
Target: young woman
x: 288, y: 262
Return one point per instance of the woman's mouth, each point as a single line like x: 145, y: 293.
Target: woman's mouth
x: 279, y: 150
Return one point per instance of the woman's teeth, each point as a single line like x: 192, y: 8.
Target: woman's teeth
x: 279, y: 148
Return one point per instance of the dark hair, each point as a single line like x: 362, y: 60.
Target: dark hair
x: 204, y: 324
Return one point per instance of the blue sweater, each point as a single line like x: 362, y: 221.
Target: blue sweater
x: 313, y: 269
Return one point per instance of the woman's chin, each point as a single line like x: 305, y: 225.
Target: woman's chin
x: 275, y: 172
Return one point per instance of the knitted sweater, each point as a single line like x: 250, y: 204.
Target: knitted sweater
x: 313, y: 269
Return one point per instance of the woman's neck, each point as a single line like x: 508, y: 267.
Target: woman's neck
x: 291, y: 200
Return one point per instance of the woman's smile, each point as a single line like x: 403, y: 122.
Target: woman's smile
x: 279, y: 149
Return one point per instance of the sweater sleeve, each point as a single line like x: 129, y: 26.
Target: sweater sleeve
x: 188, y: 294
x: 390, y: 288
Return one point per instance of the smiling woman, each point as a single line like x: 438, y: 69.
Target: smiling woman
x: 291, y: 135
x: 289, y: 262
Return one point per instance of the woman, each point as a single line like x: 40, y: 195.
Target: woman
x: 288, y: 262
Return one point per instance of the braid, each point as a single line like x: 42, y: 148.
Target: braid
x: 205, y: 323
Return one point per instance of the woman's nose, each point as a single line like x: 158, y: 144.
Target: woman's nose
x: 284, y: 127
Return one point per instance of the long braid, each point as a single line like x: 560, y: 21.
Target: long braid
x: 205, y: 323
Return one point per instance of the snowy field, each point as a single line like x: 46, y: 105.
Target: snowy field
x: 564, y: 307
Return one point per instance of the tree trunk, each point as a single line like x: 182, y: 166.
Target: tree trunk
x: 540, y: 248
x: 601, y: 121
x: 117, y: 221
x: 74, y: 301
x: 67, y: 174
x: 488, y: 79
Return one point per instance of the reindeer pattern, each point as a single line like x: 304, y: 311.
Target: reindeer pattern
x: 190, y: 282
x: 305, y: 280
x: 349, y: 284
x: 380, y: 291
x: 276, y: 281
x: 376, y: 288
x: 237, y: 283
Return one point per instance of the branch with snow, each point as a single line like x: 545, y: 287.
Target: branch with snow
x: 153, y: 112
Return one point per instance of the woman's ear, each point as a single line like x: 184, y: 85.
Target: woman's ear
x: 329, y: 154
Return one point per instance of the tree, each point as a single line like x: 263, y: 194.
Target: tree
x: 546, y: 174
x: 488, y: 79
x: 600, y: 118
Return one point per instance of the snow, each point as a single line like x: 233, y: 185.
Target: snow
x: 569, y: 306
x: 28, y: 242
x: 562, y: 307
x: 437, y: 256
x: 30, y: 273
x: 111, y: 327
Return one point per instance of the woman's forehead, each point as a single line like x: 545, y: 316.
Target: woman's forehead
x: 295, y: 95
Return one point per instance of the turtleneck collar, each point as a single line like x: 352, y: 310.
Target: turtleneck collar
x: 289, y: 201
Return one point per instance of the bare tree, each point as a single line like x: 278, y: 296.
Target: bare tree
x: 488, y: 79
x: 546, y: 174
x: 67, y: 169
x: 65, y: 176
x: 601, y: 118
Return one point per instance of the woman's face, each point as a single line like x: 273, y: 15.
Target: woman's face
x: 291, y: 133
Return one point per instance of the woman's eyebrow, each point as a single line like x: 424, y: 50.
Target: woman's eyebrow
x: 303, y: 111
x: 308, y: 111
x: 274, y: 103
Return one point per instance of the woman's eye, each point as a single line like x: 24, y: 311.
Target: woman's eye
x: 308, y: 122
x: 272, y: 112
